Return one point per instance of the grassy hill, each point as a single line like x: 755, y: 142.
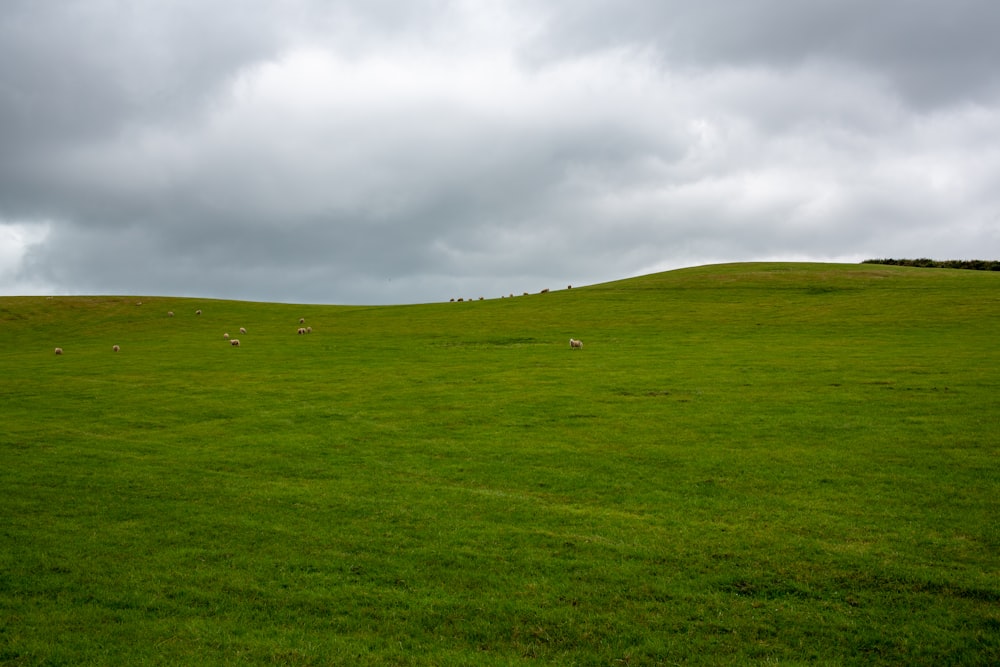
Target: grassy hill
x: 745, y: 463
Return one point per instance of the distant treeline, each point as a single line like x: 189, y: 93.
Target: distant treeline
x: 974, y: 264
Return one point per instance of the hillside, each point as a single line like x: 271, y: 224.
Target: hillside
x: 744, y: 463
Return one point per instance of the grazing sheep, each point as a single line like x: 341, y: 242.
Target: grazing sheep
x: 544, y: 291
x: 574, y: 343
x: 301, y: 331
x: 198, y: 312
x: 525, y: 294
x: 115, y: 348
x: 302, y: 320
x: 569, y: 287
x: 170, y: 313
x: 309, y: 330
x: 226, y: 336
x: 460, y: 299
x: 235, y: 342
x: 452, y: 300
x: 58, y: 351
x: 242, y: 330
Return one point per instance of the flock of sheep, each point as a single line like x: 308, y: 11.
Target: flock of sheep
x: 544, y: 291
x: 574, y: 344
x: 234, y: 342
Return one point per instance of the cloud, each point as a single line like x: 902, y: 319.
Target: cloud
x: 366, y: 153
x: 928, y: 53
x: 16, y: 241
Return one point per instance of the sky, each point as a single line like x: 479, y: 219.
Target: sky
x: 391, y: 151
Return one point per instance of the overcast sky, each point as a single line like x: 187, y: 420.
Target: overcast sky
x: 404, y: 151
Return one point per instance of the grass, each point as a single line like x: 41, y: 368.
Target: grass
x: 752, y: 463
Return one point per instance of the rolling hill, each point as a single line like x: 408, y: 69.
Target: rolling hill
x: 745, y: 463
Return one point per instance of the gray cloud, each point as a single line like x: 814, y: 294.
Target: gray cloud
x: 363, y: 153
x: 929, y: 52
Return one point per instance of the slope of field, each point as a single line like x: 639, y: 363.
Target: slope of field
x: 745, y: 463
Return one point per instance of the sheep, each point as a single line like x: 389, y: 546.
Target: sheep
x: 309, y: 330
x: 452, y: 300
x: 302, y: 320
x: 574, y: 343
x: 226, y: 335
x: 301, y: 330
x: 115, y: 348
x: 569, y: 287
x: 544, y: 291
x: 170, y: 313
x: 58, y: 351
x: 235, y: 342
x: 198, y: 312
x: 242, y: 330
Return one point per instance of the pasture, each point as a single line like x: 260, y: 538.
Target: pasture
x: 747, y: 463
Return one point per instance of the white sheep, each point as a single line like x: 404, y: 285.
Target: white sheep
x: 242, y: 330
x: 226, y: 335
x: 58, y: 350
x: 235, y: 342
x: 574, y: 343
x: 309, y: 330
x: 170, y: 313
x: 198, y: 312
x: 115, y: 348
x: 301, y: 331
x: 302, y: 320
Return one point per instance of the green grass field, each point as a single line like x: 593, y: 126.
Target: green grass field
x: 745, y: 464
